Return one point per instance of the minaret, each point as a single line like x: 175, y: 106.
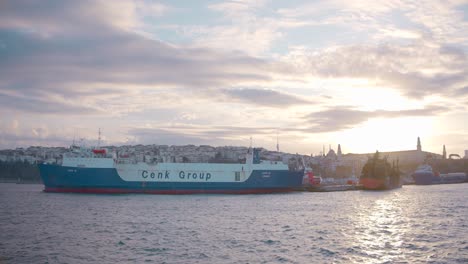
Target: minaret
x: 339, y: 150
x: 419, y: 145
x: 277, y: 142
x: 444, y: 153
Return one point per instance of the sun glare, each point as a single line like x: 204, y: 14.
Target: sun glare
x: 375, y: 98
x: 386, y: 134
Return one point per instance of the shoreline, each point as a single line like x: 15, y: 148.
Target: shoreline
x: 19, y: 182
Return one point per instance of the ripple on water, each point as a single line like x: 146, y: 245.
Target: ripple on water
x: 327, y: 252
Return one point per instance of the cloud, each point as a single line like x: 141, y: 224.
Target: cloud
x: 328, y: 120
x: 442, y: 20
x: 344, y: 117
x: 70, y: 49
x: 117, y: 57
x: 461, y: 91
x: 246, y: 26
x: 238, y: 62
x: 16, y: 134
x: 77, y: 17
x: 234, y: 8
x: 196, y: 134
x: 164, y: 137
x: 400, y: 33
x: 264, y: 97
x: 355, y: 15
x: 416, y: 70
x: 92, y: 49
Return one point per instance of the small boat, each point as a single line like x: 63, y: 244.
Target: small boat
x: 309, y: 179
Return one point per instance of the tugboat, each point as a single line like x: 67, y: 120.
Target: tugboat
x: 378, y: 174
x: 424, y: 175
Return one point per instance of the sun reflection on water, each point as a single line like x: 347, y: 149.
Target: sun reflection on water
x: 380, y: 229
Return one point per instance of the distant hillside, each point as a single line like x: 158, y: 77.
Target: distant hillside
x: 19, y: 171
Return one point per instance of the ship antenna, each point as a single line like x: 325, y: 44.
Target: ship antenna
x: 277, y: 142
x: 99, y: 138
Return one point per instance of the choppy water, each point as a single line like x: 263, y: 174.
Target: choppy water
x: 415, y: 224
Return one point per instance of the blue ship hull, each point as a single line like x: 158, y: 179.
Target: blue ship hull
x: 106, y: 180
x: 425, y: 178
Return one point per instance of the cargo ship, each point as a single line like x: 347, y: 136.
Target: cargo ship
x: 378, y: 174
x: 96, y: 171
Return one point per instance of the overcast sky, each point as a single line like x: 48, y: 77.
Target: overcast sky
x: 366, y: 74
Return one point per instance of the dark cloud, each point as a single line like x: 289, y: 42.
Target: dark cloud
x: 344, y: 117
x: 265, y: 97
x: 199, y: 134
x: 454, y: 53
x: 44, y: 105
x: 117, y: 57
x: 181, y: 136
x: 163, y: 137
x: 415, y: 84
x: 62, y: 16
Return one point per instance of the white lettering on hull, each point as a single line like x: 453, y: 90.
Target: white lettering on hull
x: 190, y: 172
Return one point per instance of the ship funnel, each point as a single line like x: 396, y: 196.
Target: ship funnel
x: 256, y: 156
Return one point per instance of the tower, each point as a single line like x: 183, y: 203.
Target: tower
x: 277, y: 142
x: 339, y: 150
x: 444, y: 153
x: 419, y: 145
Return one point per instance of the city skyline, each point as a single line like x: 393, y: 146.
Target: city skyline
x: 367, y: 75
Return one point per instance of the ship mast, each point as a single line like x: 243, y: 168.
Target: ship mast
x: 99, y: 138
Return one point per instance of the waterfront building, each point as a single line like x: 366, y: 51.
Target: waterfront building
x: 340, y: 165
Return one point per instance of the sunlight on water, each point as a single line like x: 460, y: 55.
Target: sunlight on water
x: 382, y: 232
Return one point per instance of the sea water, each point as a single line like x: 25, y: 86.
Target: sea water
x: 414, y: 224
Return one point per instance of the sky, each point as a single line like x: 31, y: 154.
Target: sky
x: 369, y: 75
